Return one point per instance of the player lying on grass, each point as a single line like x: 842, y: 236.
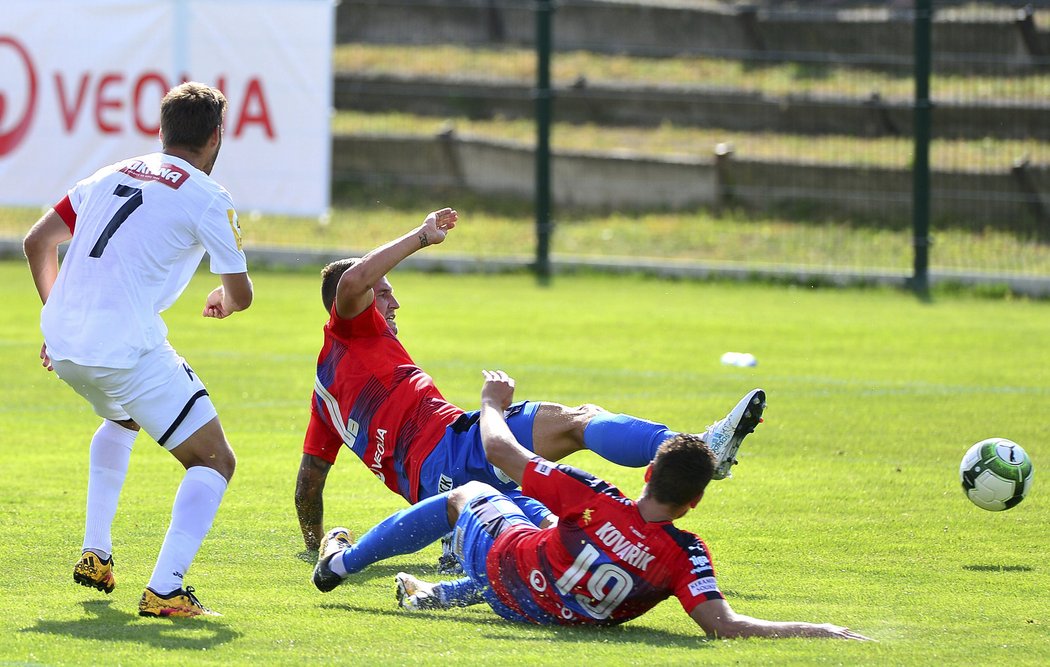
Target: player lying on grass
x: 370, y: 396
x: 608, y: 560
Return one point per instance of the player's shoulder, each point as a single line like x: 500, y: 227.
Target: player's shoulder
x: 687, y: 541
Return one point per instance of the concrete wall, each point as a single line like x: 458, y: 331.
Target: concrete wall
x: 1009, y: 199
x: 602, y: 182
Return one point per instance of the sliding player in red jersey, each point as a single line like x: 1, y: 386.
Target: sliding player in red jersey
x: 608, y: 560
x: 370, y: 396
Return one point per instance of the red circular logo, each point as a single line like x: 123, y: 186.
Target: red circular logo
x: 10, y: 139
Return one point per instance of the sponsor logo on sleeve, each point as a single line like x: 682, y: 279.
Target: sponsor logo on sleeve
x: 704, y: 585
x: 543, y: 469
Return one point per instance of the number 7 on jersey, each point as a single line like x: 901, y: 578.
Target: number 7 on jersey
x: 134, y: 196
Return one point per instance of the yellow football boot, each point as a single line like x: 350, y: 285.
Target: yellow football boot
x: 181, y: 602
x: 93, y: 572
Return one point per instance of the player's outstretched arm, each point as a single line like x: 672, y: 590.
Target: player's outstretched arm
x: 502, y: 449
x: 719, y: 621
x: 354, y: 292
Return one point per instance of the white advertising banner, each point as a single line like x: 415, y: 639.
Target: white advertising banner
x: 81, y: 83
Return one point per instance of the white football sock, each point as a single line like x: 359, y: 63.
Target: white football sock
x: 192, y: 514
x: 107, y: 468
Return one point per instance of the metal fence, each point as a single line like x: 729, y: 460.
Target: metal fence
x: 786, y: 133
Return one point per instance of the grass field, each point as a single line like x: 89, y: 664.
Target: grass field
x: 846, y: 507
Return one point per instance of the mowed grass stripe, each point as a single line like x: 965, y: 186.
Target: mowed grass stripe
x: 846, y: 506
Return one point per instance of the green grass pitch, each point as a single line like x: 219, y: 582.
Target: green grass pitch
x: 846, y: 507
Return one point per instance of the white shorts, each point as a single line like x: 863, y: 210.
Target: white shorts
x: 161, y: 393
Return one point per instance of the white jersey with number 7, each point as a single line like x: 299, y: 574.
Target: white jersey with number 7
x: 140, y: 228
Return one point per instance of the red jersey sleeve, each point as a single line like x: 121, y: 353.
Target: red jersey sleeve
x: 65, y: 211
x: 696, y: 582
x: 321, y: 440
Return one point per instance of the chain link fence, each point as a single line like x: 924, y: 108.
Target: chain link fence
x: 767, y: 136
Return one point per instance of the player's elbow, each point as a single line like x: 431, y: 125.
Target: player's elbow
x: 34, y: 244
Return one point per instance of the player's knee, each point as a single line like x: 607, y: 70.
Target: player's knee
x: 222, y: 460
x: 587, y: 411
x: 579, y: 417
x: 461, y: 495
x: 229, y: 462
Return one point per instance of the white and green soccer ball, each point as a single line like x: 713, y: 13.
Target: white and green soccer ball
x: 996, y: 474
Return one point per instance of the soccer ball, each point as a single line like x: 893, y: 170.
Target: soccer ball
x: 996, y: 474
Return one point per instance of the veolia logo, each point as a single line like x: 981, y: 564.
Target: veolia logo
x: 12, y: 133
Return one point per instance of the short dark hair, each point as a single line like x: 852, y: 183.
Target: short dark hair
x: 330, y: 276
x: 682, y: 467
x: 189, y: 113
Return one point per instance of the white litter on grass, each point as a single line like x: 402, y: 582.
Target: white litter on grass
x: 739, y: 359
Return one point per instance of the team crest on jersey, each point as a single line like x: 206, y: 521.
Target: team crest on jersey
x: 586, y: 515
x: 234, y: 225
x: 168, y: 174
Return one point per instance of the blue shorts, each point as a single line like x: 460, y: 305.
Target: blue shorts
x: 459, y: 457
x: 482, y: 520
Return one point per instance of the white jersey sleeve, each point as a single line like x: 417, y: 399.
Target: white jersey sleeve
x: 141, y: 229
x: 220, y: 233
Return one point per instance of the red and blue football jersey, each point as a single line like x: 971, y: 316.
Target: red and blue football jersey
x: 603, y: 564
x: 371, y: 396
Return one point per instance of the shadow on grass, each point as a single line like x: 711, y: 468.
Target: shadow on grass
x: 108, y: 624
x: 625, y: 634
x: 997, y: 568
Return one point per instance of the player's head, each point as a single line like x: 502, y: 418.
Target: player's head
x: 383, y: 292
x: 190, y: 113
x: 330, y: 276
x: 680, y: 471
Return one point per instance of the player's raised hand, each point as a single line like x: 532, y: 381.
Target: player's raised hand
x: 436, y: 226
x: 498, y: 389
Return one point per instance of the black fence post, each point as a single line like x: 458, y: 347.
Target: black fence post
x: 544, y: 10
x: 920, y: 280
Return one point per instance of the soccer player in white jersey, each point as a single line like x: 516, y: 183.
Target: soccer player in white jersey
x: 139, y: 229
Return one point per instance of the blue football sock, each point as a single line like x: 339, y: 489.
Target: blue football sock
x: 459, y: 593
x: 624, y: 439
x: 404, y: 532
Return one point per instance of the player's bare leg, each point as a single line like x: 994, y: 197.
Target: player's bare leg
x: 557, y: 430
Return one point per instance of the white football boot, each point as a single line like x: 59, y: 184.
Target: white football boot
x: 723, y: 437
